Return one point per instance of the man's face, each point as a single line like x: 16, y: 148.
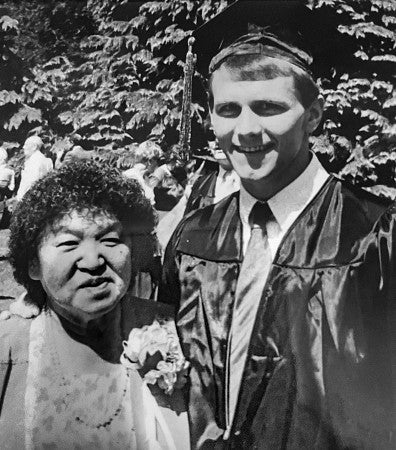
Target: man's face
x: 29, y: 147
x: 261, y: 125
x: 84, y: 265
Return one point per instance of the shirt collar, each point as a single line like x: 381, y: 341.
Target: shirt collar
x: 292, y: 199
x: 222, y: 172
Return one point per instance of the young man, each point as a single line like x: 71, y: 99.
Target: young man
x: 286, y: 290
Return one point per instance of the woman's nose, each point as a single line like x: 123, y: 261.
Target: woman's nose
x: 90, y: 257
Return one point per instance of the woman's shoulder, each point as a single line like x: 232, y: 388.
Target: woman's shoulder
x: 14, y: 338
x: 138, y: 312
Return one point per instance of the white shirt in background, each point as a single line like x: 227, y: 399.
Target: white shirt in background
x: 227, y: 182
x: 35, y: 167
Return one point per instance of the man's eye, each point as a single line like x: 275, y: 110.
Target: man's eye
x: 267, y: 109
x: 228, y: 110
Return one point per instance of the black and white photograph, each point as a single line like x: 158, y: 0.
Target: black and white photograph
x: 197, y: 225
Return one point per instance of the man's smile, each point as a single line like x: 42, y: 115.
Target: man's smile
x: 253, y: 149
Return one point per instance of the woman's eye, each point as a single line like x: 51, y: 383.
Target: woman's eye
x: 111, y: 242
x: 228, y: 110
x: 68, y: 244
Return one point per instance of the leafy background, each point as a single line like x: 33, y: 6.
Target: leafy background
x: 100, y: 73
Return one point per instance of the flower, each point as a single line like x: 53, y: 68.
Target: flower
x: 155, y: 350
x: 132, y: 347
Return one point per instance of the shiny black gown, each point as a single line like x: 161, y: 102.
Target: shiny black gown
x: 203, y: 192
x: 321, y: 365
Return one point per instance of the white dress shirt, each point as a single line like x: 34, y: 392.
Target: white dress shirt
x: 227, y: 182
x: 286, y: 205
x: 35, y: 167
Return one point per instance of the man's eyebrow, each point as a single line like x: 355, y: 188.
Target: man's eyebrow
x: 225, y: 102
x: 273, y: 101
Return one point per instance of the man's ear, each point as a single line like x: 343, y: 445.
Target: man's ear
x: 315, y: 112
x: 210, y: 114
x: 34, y: 270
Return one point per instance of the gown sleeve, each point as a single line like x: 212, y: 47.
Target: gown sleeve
x: 169, y: 289
x: 387, y: 258
x: 365, y: 389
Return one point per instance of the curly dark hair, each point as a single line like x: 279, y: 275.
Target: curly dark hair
x: 78, y: 186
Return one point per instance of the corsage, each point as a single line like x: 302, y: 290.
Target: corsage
x: 155, y: 351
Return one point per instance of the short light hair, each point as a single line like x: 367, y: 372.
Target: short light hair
x: 252, y: 67
x: 36, y: 141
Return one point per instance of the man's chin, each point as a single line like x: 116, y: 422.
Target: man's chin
x: 254, y: 168
x: 257, y: 176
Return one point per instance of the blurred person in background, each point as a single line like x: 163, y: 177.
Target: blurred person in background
x: 215, y: 185
x: 143, y: 159
x: 7, y: 186
x: 35, y: 166
x: 76, y: 153
x: 211, y: 182
x: 167, y: 178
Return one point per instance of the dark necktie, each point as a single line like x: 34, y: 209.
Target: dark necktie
x: 250, y: 285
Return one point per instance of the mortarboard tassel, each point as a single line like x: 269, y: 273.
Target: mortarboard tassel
x: 185, y: 120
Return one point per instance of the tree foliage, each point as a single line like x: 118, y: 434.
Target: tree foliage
x: 358, y: 138
x: 122, y: 95
x: 92, y: 72
x: 13, y: 112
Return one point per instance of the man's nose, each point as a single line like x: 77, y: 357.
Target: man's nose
x: 248, y: 125
x: 90, y: 257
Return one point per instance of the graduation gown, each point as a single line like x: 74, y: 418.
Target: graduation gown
x: 321, y: 363
x: 203, y: 192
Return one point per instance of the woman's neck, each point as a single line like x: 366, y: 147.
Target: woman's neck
x: 103, y: 335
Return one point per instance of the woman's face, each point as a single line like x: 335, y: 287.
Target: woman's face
x: 84, y: 265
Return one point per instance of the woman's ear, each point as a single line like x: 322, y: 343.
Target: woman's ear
x: 34, y: 270
x: 315, y: 112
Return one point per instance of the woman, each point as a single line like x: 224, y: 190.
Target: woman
x: 76, y: 242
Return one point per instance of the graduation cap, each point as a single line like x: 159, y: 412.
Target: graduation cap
x: 284, y: 29
x: 305, y: 37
